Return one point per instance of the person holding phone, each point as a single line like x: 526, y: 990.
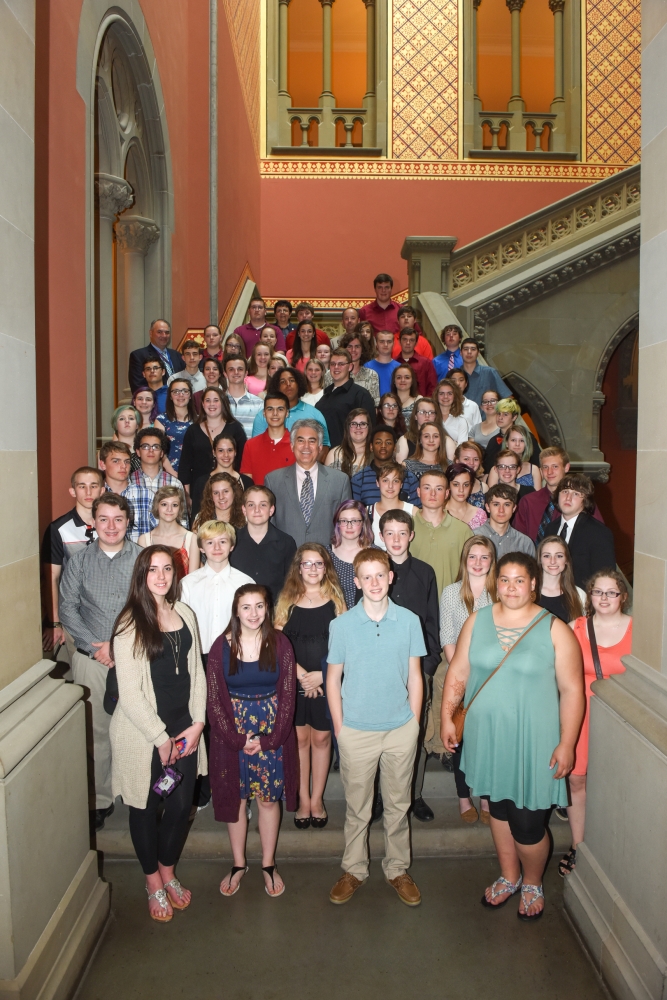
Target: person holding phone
x: 158, y: 722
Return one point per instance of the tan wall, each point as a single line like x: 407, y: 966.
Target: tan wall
x: 19, y: 582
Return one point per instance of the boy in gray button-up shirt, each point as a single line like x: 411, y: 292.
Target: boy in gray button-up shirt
x: 501, y: 501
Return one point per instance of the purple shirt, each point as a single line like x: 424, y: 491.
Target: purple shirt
x: 250, y: 336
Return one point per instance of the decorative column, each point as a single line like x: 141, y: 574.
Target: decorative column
x: 370, y: 97
x: 327, y: 130
x: 284, y: 96
x: 135, y: 236
x: 559, y: 138
x: 516, y: 104
x: 477, y: 103
x: 112, y: 196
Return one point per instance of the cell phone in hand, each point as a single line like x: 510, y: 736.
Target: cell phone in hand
x: 181, y: 744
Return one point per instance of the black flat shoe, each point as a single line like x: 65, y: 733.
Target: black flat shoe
x: 319, y: 822
x: 302, y: 824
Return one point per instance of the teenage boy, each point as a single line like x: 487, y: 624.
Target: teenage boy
x: 481, y: 378
x: 450, y: 358
x: 343, y: 395
x: 244, y: 405
x: 250, y: 332
x: 210, y: 591
x: 591, y: 543
x: 423, y: 368
x: 500, y: 502
x: 151, y: 445
x: 536, y: 511
x: 93, y: 590
x: 159, y: 335
x: 375, y: 691
x: 407, y: 320
x: 439, y: 537
x: 115, y: 460
x: 154, y: 374
x: 382, y: 313
x: 192, y: 359
x: 262, y: 551
x: 383, y: 363
x: 414, y: 587
x: 365, y: 482
x: 213, y: 341
x: 62, y: 539
x: 272, y: 449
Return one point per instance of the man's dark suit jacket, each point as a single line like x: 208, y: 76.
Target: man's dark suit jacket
x: 139, y: 358
x: 591, y: 547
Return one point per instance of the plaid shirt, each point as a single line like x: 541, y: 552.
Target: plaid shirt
x: 140, y: 500
x: 140, y: 479
x: 365, y: 487
x: 245, y: 409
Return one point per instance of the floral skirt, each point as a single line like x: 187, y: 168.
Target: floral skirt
x: 262, y: 773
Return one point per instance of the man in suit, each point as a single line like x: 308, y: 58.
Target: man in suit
x: 538, y: 509
x: 159, y: 335
x: 307, y: 494
x: 591, y: 543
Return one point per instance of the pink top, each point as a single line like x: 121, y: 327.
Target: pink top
x: 254, y: 384
x: 301, y: 363
x: 479, y: 518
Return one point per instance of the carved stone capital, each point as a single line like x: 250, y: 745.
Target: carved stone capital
x: 368, y: 3
x: 556, y: 6
x: 136, y: 235
x: 327, y: 3
x: 112, y: 195
x: 513, y: 5
x: 284, y: 3
x: 476, y: 4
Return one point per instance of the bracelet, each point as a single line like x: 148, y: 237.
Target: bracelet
x: 54, y: 624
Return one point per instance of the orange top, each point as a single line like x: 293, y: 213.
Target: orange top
x: 610, y: 661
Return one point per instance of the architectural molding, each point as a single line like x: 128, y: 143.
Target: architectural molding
x: 548, y: 424
x: 622, y: 332
x: 285, y: 167
x: 112, y: 195
x: 136, y: 235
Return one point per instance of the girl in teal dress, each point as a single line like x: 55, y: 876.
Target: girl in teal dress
x: 521, y: 731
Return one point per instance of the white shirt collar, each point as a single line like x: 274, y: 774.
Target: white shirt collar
x: 301, y: 475
x: 224, y: 573
x: 570, y: 526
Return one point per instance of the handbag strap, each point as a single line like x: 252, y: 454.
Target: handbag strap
x: 539, y: 619
x: 594, y: 649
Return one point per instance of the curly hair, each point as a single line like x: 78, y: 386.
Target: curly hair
x: 302, y: 384
x: 294, y: 587
x: 207, y: 510
x: 367, y: 350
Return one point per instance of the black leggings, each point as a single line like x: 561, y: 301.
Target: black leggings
x: 527, y: 826
x: 162, y: 841
x: 462, y: 789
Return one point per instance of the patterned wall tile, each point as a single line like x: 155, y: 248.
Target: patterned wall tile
x: 613, y: 98
x: 425, y: 80
x: 243, y: 18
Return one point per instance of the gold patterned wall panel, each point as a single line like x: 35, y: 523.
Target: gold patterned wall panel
x: 613, y: 60
x: 243, y: 18
x: 425, y: 80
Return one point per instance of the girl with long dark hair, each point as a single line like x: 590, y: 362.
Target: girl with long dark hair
x: 424, y: 412
x: 197, y: 454
x: 179, y: 414
x: 251, y: 676
x: 556, y: 590
x: 158, y: 721
x: 354, y: 451
x: 304, y: 345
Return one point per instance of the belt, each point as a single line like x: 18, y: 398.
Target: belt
x: 84, y: 652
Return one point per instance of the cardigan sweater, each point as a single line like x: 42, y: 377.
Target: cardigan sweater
x: 226, y: 741
x: 135, y: 727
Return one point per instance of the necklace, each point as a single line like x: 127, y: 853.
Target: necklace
x: 175, y: 646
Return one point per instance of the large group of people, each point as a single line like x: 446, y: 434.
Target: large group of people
x: 291, y: 551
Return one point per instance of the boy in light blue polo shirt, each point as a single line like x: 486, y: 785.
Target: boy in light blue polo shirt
x: 374, y: 688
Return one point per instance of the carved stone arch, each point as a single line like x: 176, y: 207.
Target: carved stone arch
x: 126, y: 137
x: 620, y: 334
x: 546, y: 422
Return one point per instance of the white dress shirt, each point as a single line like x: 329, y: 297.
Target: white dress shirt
x: 301, y: 475
x: 570, y: 527
x: 210, y: 595
x: 471, y: 412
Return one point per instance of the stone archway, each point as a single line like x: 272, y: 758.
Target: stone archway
x: 129, y: 211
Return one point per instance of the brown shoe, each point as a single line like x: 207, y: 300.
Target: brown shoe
x: 470, y: 815
x: 485, y: 817
x: 345, y: 888
x: 408, y: 892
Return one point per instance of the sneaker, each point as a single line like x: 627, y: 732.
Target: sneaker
x: 408, y: 892
x: 562, y: 814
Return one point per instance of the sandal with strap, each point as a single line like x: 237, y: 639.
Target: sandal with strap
x: 506, y: 886
x: 269, y: 869
x: 164, y: 902
x: 178, y: 889
x: 537, y: 893
x: 568, y: 863
x: 235, y: 869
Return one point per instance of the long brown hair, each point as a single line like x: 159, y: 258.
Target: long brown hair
x: 297, y: 347
x: 412, y: 433
x: 170, y: 408
x: 456, y: 409
x: 467, y: 595
x: 227, y: 415
x: 347, y: 453
x: 399, y: 423
x: 140, y: 611
x: 442, y: 450
x: 571, y: 598
x: 414, y: 388
x: 267, y: 649
x: 207, y: 509
x: 294, y: 587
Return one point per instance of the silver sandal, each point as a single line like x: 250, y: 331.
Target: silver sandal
x: 537, y: 893
x: 506, y: 885
x: 178, y: 889
x: 164, y: 901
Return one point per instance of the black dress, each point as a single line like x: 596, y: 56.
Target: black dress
x: 556, y: 605
x: 308, y: 631
x: 197, y: 454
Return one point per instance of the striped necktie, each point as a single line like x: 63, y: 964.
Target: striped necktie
x: 451, y: 363
x: 166, y: 360
x: 547, y: 518
x: 307, y: 498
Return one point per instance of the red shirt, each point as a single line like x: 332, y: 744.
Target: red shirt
x: 250, y: 336
x: 381, y: 319
x: 425, y: 372
x: 262, y: 455
x: 320, y: 336
x: 422, y: 347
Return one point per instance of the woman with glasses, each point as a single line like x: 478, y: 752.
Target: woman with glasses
x: 424, y: 412
x: 354, y: 452
x: 472, y: 455
x: 352, y: 533
x: 506, y: 471
x: 389, y: 413
x: 310, y: 599
x: 234, y: 347
x: 169, y: 509
x: 556, y: 590
x: 518, y: 441
x: 608, y: 622
x: 404, y: 385
x: 178, y: 416
x: 434, y: 450
x: 485, y: 430
x: 314, y: 372
x: 449, y: 400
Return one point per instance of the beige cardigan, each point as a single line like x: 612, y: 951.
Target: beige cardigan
x: 135, y: 726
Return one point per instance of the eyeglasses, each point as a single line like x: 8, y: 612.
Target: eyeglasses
x: 349, y: 523
x: 390, y: 406
x: 358, y: 425
x: 506, y: 467
x: 153, y: 368
x: 489, y: 402
x: 150, y: 447
x: 309, y: 564
x: 425, y: 413
x: 180, y: 392
x: 605, y: 593
x: 338, y: 364
x: 571, y: 493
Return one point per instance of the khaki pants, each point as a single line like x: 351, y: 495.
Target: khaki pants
x: 432, y: 741
x: 360, y: 753
x: 92, y: 676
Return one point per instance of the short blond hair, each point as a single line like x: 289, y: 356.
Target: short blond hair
x: 508, y: 405
x: 214, y: 529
